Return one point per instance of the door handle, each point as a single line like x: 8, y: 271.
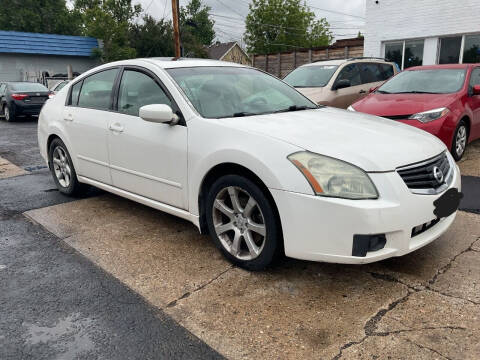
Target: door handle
x: 68, y: 117
x: 362, y: 92
x: 118, y: 128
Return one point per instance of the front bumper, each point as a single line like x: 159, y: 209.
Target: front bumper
x: 443, y: 128
x: 322, y: 229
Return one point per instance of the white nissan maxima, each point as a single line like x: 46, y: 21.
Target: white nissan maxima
x: 251, y: 161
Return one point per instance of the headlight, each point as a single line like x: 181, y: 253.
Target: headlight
x: 331, y: 177
x: 351, y: 108
x: 430, y: 115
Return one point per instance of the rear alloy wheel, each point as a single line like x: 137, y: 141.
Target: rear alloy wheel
x: 242, y: 222
x: 460, y: 138
x: 62, y: 169
x: 7, y: 113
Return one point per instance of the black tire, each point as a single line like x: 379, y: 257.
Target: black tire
x: 73, y: 188
x: 269, y: 245
x: 8, y: 113
x: 456, y: 151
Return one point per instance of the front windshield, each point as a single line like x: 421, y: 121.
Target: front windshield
x: 311, y: 76
x: 434, y: 81
x: 220, y: 92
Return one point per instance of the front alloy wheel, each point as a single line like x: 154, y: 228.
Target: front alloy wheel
x: 239, y: 223
x: 242, y: 222
x: 460, y: 141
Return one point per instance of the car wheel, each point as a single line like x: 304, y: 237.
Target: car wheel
x: 62, y: 169
x: 242, y: 222
x: 8, y: 114
x: 459, y: 142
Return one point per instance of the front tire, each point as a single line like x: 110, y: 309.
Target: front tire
x: 62, y: 169
x: 460, y: 138
x: 242, y: 222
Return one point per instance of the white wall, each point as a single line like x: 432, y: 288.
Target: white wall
x: 408, y: 19
x: 19, y: 67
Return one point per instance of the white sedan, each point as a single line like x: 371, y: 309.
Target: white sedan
x: 249, y: 160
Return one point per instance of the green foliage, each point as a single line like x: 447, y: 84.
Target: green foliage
x: 282, y: 25
x: 41, y: 16
x: 196, y: 28
x: 111, y: 22
x: 152, y: 38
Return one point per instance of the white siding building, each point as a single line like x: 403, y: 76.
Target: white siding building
x: 423, y: 32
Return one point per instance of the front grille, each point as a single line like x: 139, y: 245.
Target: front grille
x: 421, y: 176
x: 397, y: 117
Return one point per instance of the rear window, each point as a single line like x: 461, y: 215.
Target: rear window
x: 311, y: 76
x: 27, y: 87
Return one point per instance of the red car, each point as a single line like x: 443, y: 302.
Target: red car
x: 441, y: 99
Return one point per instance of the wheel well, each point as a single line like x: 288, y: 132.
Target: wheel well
x: 230, y: 169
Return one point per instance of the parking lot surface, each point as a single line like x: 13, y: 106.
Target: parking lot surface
x: 85, y: 274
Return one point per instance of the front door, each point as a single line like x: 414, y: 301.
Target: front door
x: 345, y: 97
x: 474, y: 103
x: 148, y: 159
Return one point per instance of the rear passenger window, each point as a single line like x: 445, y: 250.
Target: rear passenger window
x: 74, y: 93
x: 386, y: 71
x: 375, y: 72
x: 96, y: 91
x: 350, y: 72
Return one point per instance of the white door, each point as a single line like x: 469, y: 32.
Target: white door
x: 86, y: 119
x: 147, y: 159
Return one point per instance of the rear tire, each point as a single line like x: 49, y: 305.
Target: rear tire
x: 9, y: 115
x: 460, y: 139
x: 62, y: 169
x: 242, y: 222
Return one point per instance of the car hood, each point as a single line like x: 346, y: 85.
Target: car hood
x: 369, y: 142
x: 402, y: 104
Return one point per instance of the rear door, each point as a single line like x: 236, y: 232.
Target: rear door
x: 346, y: 96
x: 86, y: 118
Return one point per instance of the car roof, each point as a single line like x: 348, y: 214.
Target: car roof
x: 443, y: 66
x: 170, y: 63
x: 344, y: 61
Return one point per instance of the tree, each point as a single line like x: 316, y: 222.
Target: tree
x: 152, y: 38
x: 110, y: 21
x: 196, y: 28
x: 40, y: 16
x: 280, y: 25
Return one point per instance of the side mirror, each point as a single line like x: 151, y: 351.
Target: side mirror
x: 158, y: 113
x: 476, y: 90
x: 341, y: 84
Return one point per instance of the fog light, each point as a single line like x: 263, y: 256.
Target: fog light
x: 367, y: 243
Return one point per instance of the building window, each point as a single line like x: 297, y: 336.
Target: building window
x: 405, y: 53
x: 471, y: 49
x: 394, y: 53
x: 450, y: 50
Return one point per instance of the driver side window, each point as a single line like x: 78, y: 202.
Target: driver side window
x: 474, y: 78
x: 138, y: 89
x: 350, y: 72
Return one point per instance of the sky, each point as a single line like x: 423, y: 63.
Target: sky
x: 229, y: 15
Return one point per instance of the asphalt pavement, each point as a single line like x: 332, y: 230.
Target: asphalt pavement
x: 55, y: 303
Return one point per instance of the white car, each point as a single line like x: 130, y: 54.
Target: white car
x: 251, y: 161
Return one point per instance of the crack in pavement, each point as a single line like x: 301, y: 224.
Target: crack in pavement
x: 187, y: 294
x: 427, y: 348
x: 371, y: 324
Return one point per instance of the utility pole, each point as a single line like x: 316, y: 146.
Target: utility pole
x: 176, y: 31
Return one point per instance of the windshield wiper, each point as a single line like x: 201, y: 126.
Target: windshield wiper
x: 296, y: 108
x: 415, y: 92
x: 243, y: 113
x: 383, y: 92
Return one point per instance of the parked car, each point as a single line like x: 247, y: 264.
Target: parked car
x: 251, y: 161
x: 58, y: 86
x: 340, y: 83
x: 441, y: 99
x: 21, y: 98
